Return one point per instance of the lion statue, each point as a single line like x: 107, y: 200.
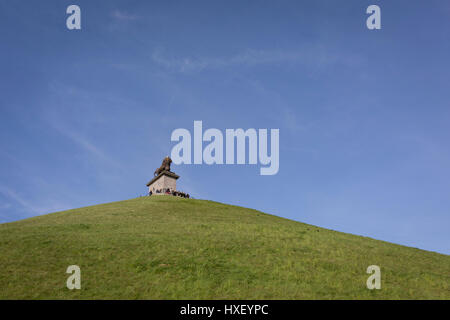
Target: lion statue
x: 165, y: 166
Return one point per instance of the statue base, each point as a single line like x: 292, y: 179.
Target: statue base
x: 163, y: 183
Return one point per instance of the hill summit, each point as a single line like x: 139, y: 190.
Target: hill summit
x: 175, y: 248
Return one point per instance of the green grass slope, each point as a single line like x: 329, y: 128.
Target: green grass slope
x: 173, y: 248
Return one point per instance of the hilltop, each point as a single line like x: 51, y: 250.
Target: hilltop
x: 172, y: 248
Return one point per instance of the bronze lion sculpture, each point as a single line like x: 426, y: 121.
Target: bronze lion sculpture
x: 165, y: 166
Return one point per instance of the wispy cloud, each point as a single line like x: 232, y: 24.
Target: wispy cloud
x: 124, y: 16
x: 65, y: 118
x: 312, y: 56
x: 13, y: 195
x: 5, y: 206
x: 30, y: 207
x: 86, y: 144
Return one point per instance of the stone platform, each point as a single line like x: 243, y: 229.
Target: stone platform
x: 163, y: 181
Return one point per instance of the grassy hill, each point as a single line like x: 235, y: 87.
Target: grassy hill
x: 167, y: 247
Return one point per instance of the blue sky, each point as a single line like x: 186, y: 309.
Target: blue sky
x: 86, y: 116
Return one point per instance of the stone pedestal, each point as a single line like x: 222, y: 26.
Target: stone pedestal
x: 163, y: 181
